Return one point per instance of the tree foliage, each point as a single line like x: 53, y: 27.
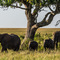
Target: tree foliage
x: 33, y: 2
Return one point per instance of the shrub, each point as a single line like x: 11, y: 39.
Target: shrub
x: 22, y: 36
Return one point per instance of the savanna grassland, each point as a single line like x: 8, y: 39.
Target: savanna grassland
x: 25, y: 54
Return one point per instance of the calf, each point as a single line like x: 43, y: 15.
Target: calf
x: 49, y: 44
x: 33, y: 45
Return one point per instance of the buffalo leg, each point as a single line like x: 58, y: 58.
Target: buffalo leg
x: 16, y: 48
x: 4, y: 49
x: 57, y: 45
x: 45, y: 49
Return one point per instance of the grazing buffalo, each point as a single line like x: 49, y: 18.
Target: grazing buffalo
x: 33, y: 45
x: 49, y: 44
x: 56, y: 38
x: 10, y: 41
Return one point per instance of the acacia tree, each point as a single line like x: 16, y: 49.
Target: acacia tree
x: 36, y: 5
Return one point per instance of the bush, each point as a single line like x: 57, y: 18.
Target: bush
x: 22, y: 36
x: 58, y: 45
x: 26, y: 45
x: 37, y: 35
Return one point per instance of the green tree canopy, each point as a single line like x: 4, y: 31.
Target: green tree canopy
x: 38, y: 4
x: 7, y: 3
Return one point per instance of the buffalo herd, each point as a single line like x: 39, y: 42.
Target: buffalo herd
x: 12, y: 41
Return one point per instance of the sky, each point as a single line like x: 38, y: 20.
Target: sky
x: 15, y: 18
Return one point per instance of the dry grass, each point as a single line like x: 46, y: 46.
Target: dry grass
x: 48, y: 30
x: 29, y: 55
x: 20, y: 31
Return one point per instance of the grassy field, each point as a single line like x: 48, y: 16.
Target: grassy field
x: 20, y: 31
x: 30, y: 55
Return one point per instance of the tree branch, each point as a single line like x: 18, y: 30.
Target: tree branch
x: 36, y: 10
x: 19, y: 7
x: 44, y: 22
x: 27, y: 4
x: 57, y: 8
x: 57, y: 23
x: 50, y: 8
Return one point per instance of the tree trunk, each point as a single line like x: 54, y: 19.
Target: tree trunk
x: 29, y: 35
x: 30, y: 31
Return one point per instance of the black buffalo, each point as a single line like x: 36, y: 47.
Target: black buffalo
x: 49, y: 43
x: 56, y: 38
x: 10, y: 41
x: 33, y: 45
